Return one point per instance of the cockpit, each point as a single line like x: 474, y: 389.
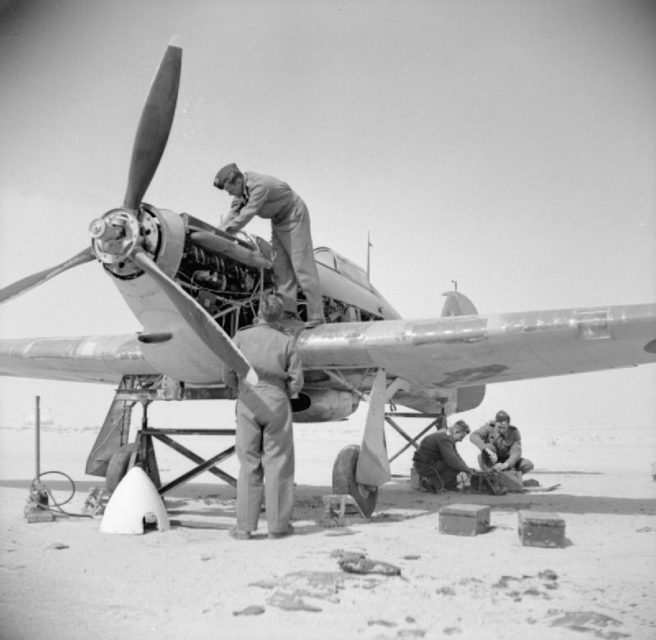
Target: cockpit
x: 330, y: 258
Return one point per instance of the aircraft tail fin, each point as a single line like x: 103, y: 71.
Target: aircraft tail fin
x: 457, y: 304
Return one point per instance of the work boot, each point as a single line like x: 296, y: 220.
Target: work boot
x: 282, y: 534
x: 239, y: 534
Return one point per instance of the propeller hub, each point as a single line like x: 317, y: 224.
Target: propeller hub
x: 115, y: 236
x: 100, y: 230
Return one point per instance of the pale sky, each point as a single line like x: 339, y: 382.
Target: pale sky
x: 508, y: 145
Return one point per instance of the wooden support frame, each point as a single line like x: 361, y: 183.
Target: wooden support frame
x: 145, y: 390
x: 437, y: 420
x: 146, y: 452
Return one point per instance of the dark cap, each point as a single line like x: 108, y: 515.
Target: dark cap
x: 502, y: 416
x: 226, y: 174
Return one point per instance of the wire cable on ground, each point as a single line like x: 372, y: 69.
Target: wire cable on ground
x: 37, y: 488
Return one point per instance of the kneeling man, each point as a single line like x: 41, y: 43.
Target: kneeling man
x: 438, y: 462
x: 501, y: 445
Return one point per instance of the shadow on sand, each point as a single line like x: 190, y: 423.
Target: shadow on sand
x: 396, y: 501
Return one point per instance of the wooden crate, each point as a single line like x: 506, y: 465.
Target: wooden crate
x: 464, y: 519
x: 541, y: 529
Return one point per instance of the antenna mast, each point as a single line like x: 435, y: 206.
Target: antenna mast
x: 369, y: 245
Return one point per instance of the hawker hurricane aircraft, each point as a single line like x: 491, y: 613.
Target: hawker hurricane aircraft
x: 192, y: 286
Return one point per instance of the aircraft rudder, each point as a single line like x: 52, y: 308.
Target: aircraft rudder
x: 457, y: 304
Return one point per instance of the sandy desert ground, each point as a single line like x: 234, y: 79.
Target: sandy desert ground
x: 67, y: 580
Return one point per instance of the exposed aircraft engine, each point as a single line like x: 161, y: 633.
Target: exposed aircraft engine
x: 225, y: 276
x: 323, y: 405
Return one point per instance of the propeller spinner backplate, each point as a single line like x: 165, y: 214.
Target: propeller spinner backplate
x: 118, y: 234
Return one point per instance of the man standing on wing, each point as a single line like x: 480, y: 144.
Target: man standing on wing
x: 255, y: 194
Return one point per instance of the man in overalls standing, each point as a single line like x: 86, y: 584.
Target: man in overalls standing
x: 265, y: 440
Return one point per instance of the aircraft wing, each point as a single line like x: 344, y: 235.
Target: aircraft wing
x: 466, y: 351
x: 79, y: 359
x: 432, y: 355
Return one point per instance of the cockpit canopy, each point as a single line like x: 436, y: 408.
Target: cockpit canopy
x: 339, y: 263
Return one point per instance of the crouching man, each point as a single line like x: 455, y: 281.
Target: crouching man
x: 501, y: 446
x: 438, y: 462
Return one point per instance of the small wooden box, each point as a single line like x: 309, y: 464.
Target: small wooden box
x: 464, y: 519
x: 39, y: 515
x: 541, y: 529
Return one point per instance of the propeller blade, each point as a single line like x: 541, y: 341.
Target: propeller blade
x: 29, y: 282
x: 200, y: 321
x: 155, y: 124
